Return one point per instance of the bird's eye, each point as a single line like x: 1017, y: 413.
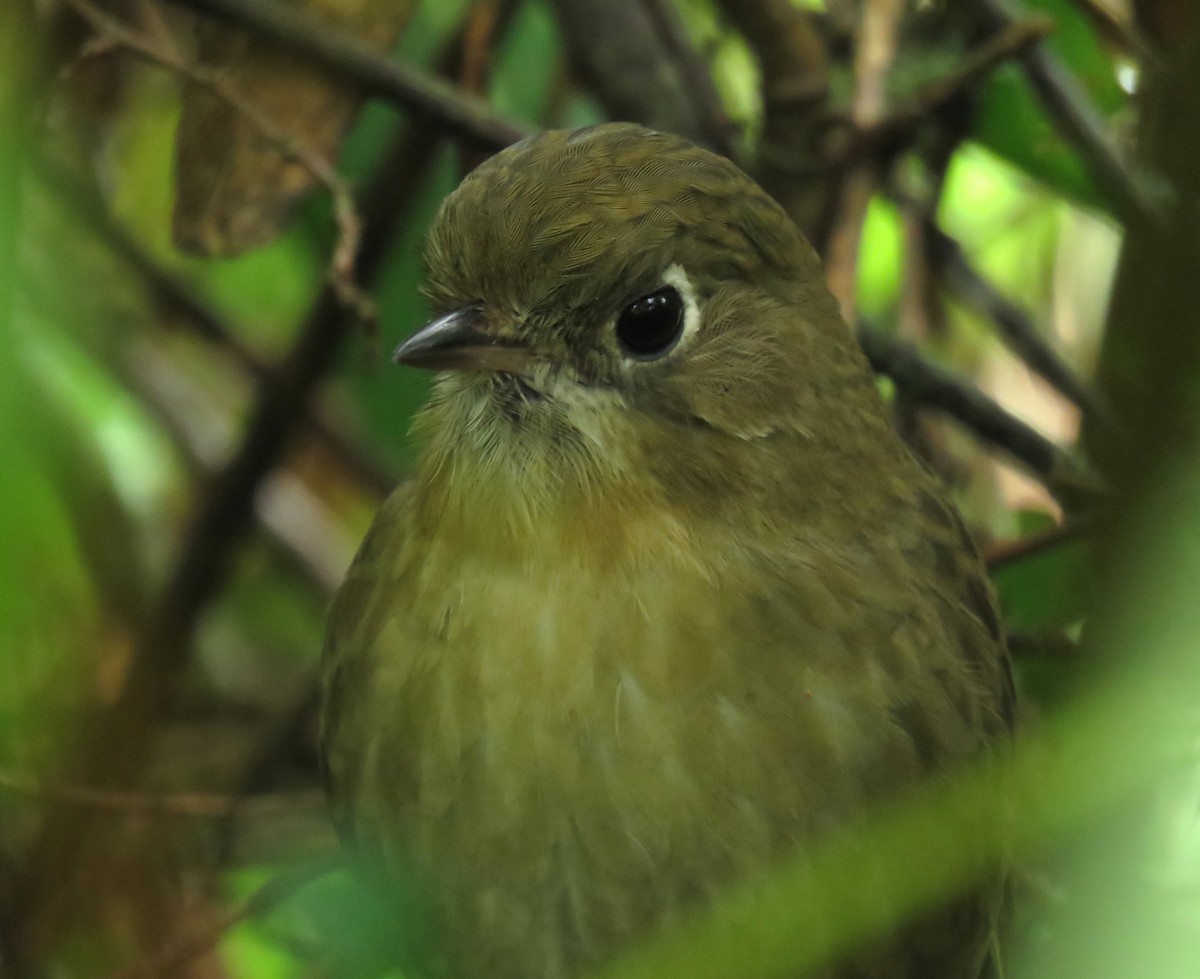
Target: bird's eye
x: 649, y: 327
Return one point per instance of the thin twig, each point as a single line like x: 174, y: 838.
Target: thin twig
x: 1014, y: 325
x: 1115, y: 31
x: 460, y: 114
x: 479, y: 38
x: 113, y: 33
x: 900, y: 124
x: 483, y: 33
x: 939, y: 389
x: 170, y: 960
x: 191, y: 805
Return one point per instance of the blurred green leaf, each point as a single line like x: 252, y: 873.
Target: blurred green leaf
x: 1047, y: 590
x: 522, y: 75
x: 256, y: 954
x: 355, y: 933
x: 1012, y: 122
x: 1008, y: 225
x: 1075, y: 43
x: 880, y: 260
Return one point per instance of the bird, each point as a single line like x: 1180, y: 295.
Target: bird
x: 666, y: 598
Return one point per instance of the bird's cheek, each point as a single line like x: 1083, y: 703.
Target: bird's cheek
x: 738, y: 389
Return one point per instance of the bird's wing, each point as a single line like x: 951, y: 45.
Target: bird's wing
x: 348, y: 656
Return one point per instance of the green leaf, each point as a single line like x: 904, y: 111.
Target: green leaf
x: 1012, y: 121
x: 521, y: 80
x: 356, y: 933
x: 1047, y: 589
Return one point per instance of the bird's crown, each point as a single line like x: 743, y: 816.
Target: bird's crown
x: 563, y: 219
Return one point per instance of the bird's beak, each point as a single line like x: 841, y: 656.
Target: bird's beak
x: 462, y: 341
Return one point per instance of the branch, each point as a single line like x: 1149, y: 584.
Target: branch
x: 1015, y: 326
x: 462, y: 115
x: 945, y: 392
x: 280, y: 405
x: 875, y: 51
x: 189, y: 805
x: 112, y: 33
x: 619, y: 50
x: 1013, y: 41
x: 177, y: 297
x: 1150, y: 354
x: 1114, y: 31
x: 795, y: 88
x: 697, y: 79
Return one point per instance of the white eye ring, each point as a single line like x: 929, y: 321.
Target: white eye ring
x: 653, y: 327
x: 677, y: 277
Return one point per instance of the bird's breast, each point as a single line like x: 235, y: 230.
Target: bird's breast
x: 588, y: 740
x: 579, y: 724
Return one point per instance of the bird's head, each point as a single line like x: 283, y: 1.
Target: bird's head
x: 615, y: 303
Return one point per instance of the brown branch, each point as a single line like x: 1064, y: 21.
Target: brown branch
x: 281, y: 403
x: 190, y: 805
x: 617, y: 49
x: 479, y: 38
x: 900, y: 125
x: 170, y: 960
x: 942, y: 391
x: 296, y: 542
x: 460, y: 114
x: 115, y: 745
x: 1114, y: 30
x: 1150, y: 355
x: 487, y: 23
x: 1078, y: 119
